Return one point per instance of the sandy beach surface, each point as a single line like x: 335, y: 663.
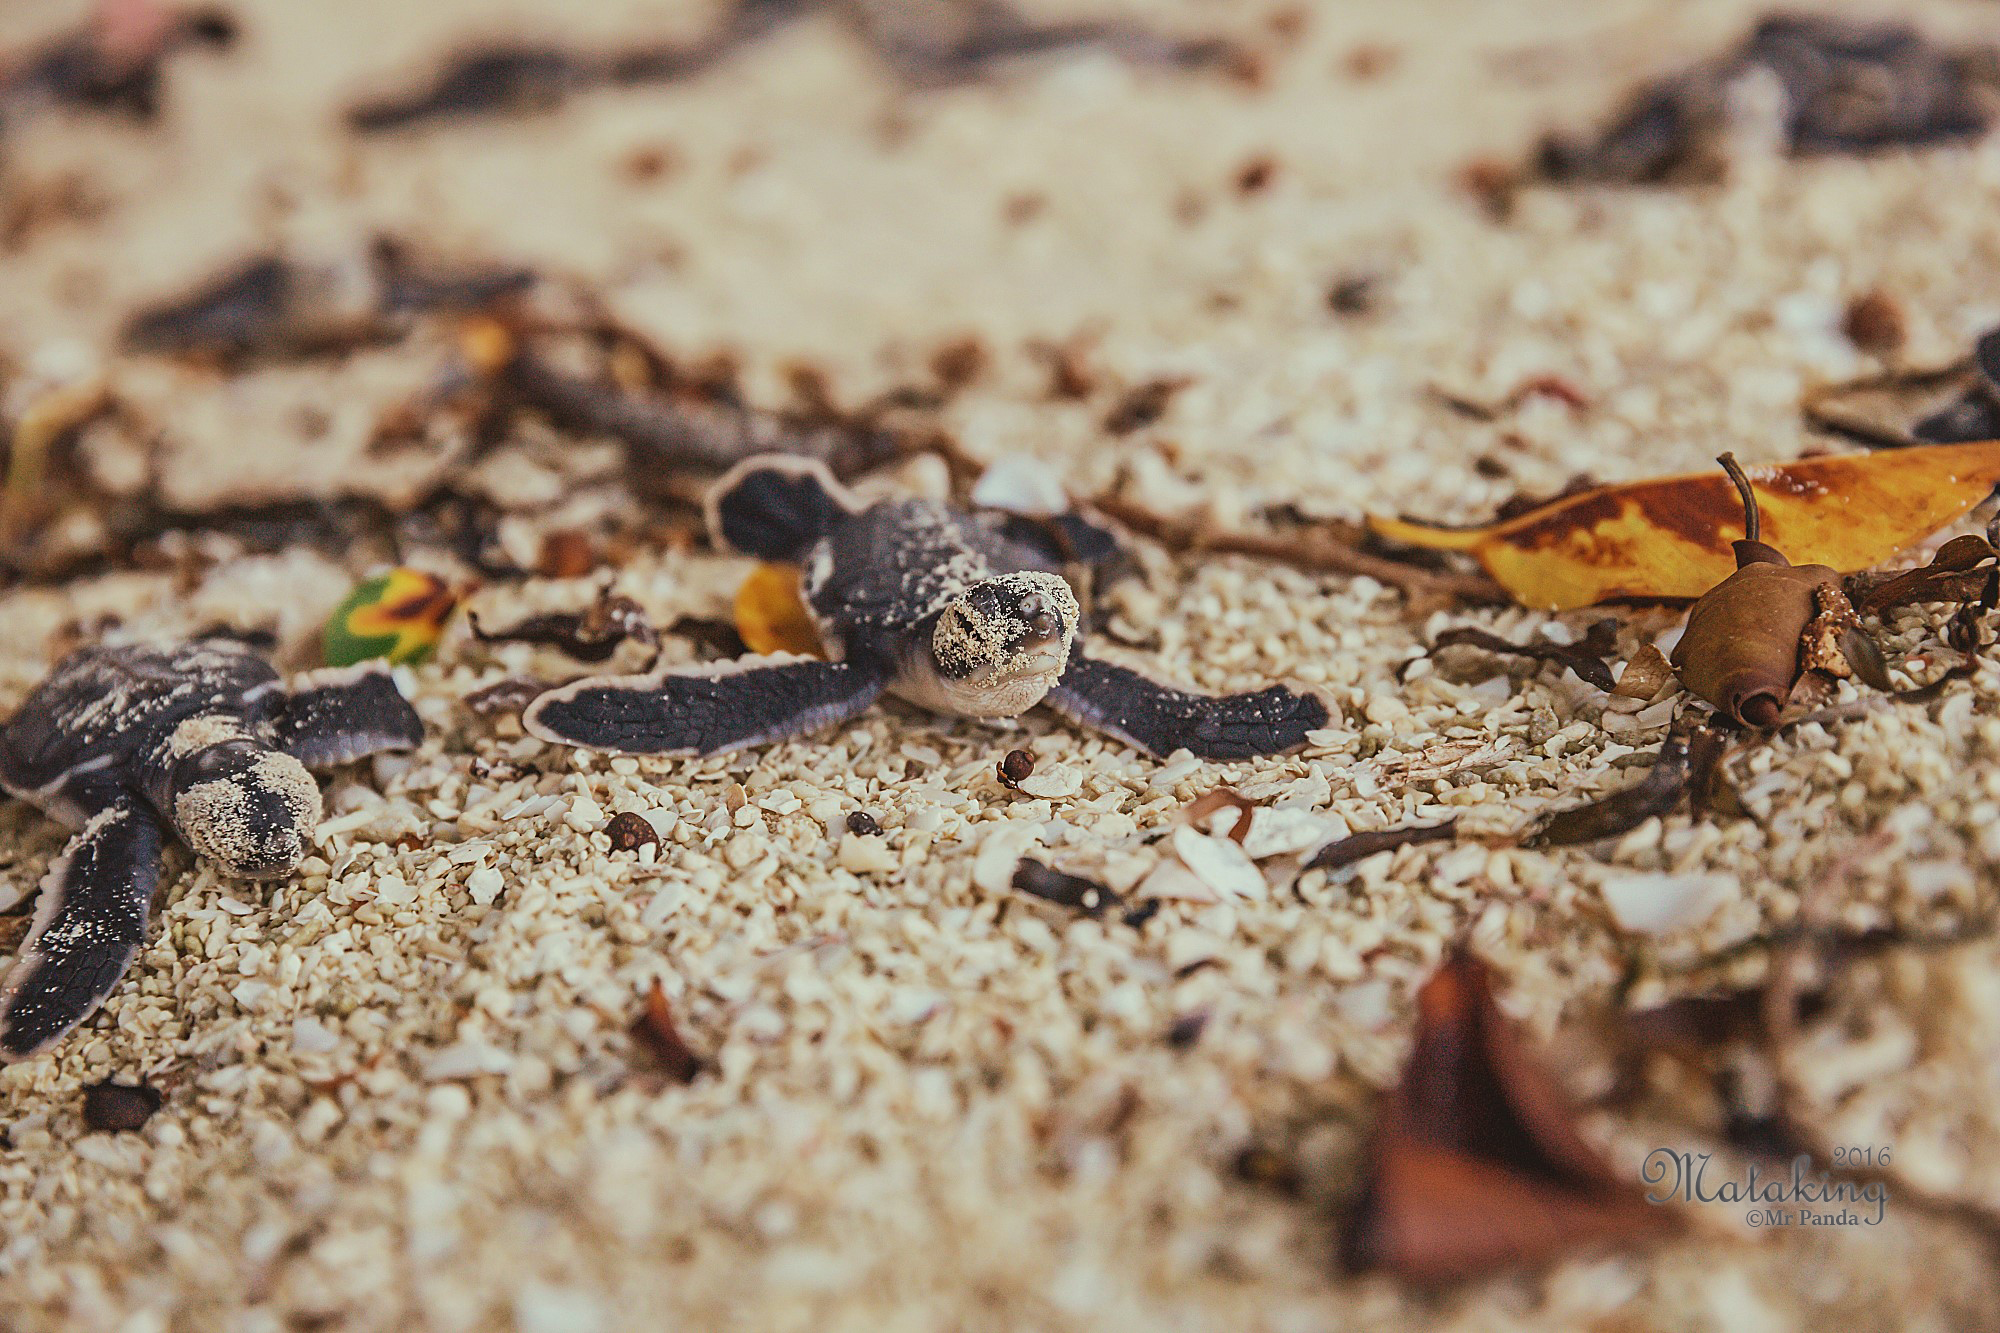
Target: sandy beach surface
x: 401, y: 1090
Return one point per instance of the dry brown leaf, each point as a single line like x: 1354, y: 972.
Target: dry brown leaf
x: 1585, y: 657
x: 1687, y: 758
x: 1953, y: 575
x: 654, y: 1034
x: 1360, y: 846
x: 590, y: 635
x: 1086, y: 896
x: 1197, y: 811
x: 770, y: 615
x: 119, y: 1108
x: 1671, y: 537
x: 1644, y: 674
x: 1476, y: 1163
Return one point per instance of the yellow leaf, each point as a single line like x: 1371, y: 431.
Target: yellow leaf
x: 770, y: 615
x: 1670, y: 537
x: 43, y: 422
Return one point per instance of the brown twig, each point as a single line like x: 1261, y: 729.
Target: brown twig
x: 1314, y: 552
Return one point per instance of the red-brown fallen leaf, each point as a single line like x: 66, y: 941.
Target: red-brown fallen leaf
x: 1670, y: 537
x: 653, y: 1031
x: 1476, y: 1163
x: 1197, y: 811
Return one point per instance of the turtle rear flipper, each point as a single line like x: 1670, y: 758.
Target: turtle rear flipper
x: 775, y: 506
x: 1160, y: 719
x: 88, y: 928
x: 334, y: 716
x: 707, y: 710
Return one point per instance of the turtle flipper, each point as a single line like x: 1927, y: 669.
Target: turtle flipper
x: 707, y: 710
x: 88, y: 927
x: 775, y: 506
x: 1160, y: 719
x: 331, y: 717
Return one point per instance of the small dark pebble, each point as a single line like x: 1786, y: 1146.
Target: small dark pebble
x: 1256, y: 174
x: 631, y: 830
x: 1187, y: 1030
x: 1144, y: 912
x: 114, y: 1108
x: 863, y: 823
x: 959, y: 362
x: 1264, y: 1166
x: 1016, y: 767
x: 1142, y: 405
x: 1354, y: 294
x: 1875, y: 322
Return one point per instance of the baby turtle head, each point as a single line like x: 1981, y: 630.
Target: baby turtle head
x: 1002, y: 644
x: 249, y: 808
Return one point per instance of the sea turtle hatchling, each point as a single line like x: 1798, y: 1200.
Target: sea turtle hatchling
x: 122, y: 743
x: 913, y: 598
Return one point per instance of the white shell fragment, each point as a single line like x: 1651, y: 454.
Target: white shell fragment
x: 1174, y: 882
x: 484, y: 884
x: 1020, y: 485
x: 866, y: 854
x: 1220, y: 864
x: 1280, y: 830
x: 1657, y: 904
x: 1054, y: 783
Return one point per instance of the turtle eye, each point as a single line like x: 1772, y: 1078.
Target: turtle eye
x: 1043, y: 624
x: 214, y: 761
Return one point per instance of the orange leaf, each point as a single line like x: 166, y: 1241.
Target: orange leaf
x: 1670, y: 537
x: 770, y: 615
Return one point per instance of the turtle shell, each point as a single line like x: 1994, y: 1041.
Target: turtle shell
x: 102, y: 709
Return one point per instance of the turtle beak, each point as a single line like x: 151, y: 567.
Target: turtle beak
x: 277, y: 853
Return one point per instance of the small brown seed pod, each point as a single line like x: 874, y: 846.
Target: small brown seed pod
x: 1741, y: 648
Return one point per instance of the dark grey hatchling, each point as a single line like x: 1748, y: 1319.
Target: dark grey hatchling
x: 911, y: 598
x: 124, y: 744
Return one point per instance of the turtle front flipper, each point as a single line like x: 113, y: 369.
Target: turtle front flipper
x: 707, y: 710
x: 1160, y: 719
x: 341, y: 714
x: 88, y: 927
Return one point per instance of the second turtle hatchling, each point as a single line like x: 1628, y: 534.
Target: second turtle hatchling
x: 124, y: 744
x: 912, y: 598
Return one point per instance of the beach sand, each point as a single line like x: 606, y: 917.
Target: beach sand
x: 401, y: 1089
